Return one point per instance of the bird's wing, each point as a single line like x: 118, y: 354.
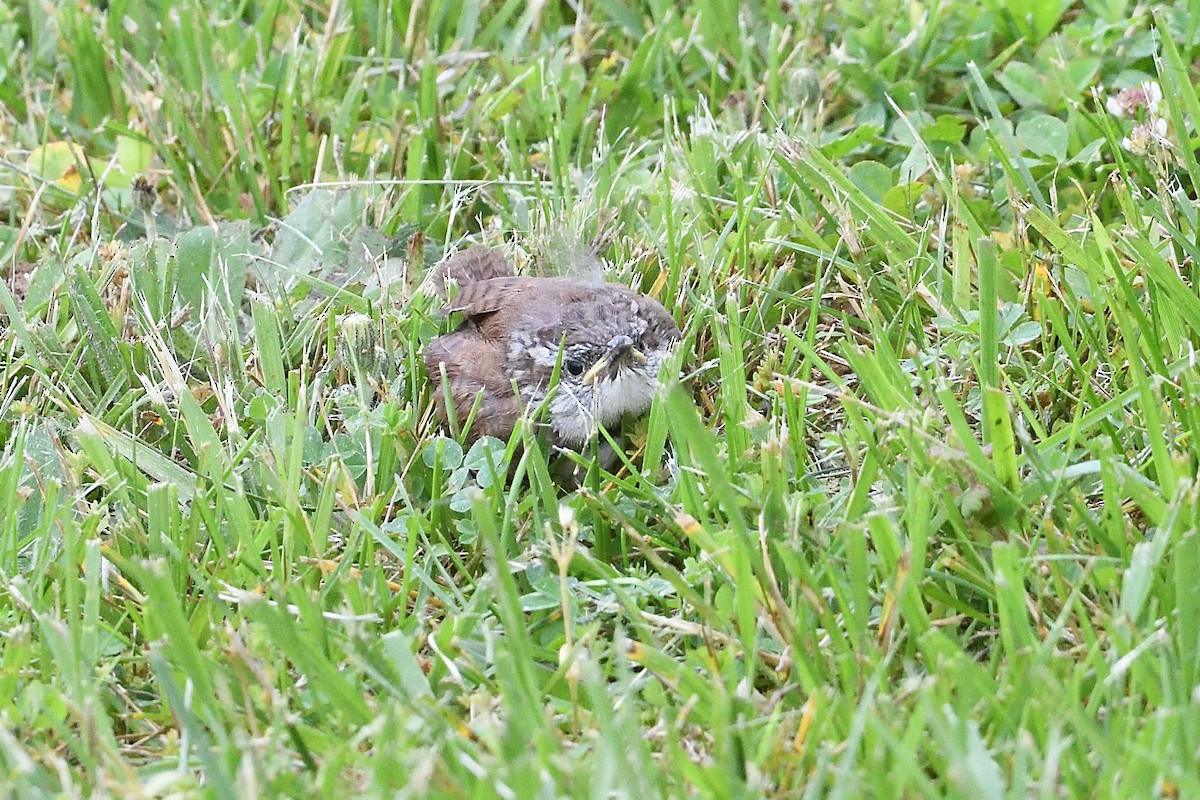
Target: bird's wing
x: 474, y: 366
x: 475, y: 264
x: 489, y: 296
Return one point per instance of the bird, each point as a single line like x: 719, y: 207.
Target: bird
x: 607, y: 343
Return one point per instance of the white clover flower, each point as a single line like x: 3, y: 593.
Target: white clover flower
x: 1126, y: 102
x: 1147, y: 133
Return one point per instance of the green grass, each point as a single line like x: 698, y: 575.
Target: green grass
x: 919, y: 520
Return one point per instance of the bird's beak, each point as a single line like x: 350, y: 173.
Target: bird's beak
x: 620, y: 350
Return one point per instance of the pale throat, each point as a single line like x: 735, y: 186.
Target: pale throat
x: 577, y: 411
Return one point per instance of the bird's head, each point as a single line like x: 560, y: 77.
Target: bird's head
x: 609, y: 357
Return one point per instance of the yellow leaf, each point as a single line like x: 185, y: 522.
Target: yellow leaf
x: 71, y: 180
x: 58, y: 162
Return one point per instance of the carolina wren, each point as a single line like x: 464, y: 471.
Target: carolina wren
x: 610, y: 341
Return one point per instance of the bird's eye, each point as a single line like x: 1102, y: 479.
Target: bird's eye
x: 574, y: 366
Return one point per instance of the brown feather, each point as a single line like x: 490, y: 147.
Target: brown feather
x: 476, y: 263
x: 478, y: 367
x: 488, y: 296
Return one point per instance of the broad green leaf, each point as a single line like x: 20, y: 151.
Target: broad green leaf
x: 1024, y: 84
x: 1044, y: 135
x: 946, y: 128
x: 873, y: 178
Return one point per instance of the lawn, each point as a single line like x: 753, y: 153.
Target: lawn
x: 919, y: 517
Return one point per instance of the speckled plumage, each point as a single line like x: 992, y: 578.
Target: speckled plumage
x: 513, y: 330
